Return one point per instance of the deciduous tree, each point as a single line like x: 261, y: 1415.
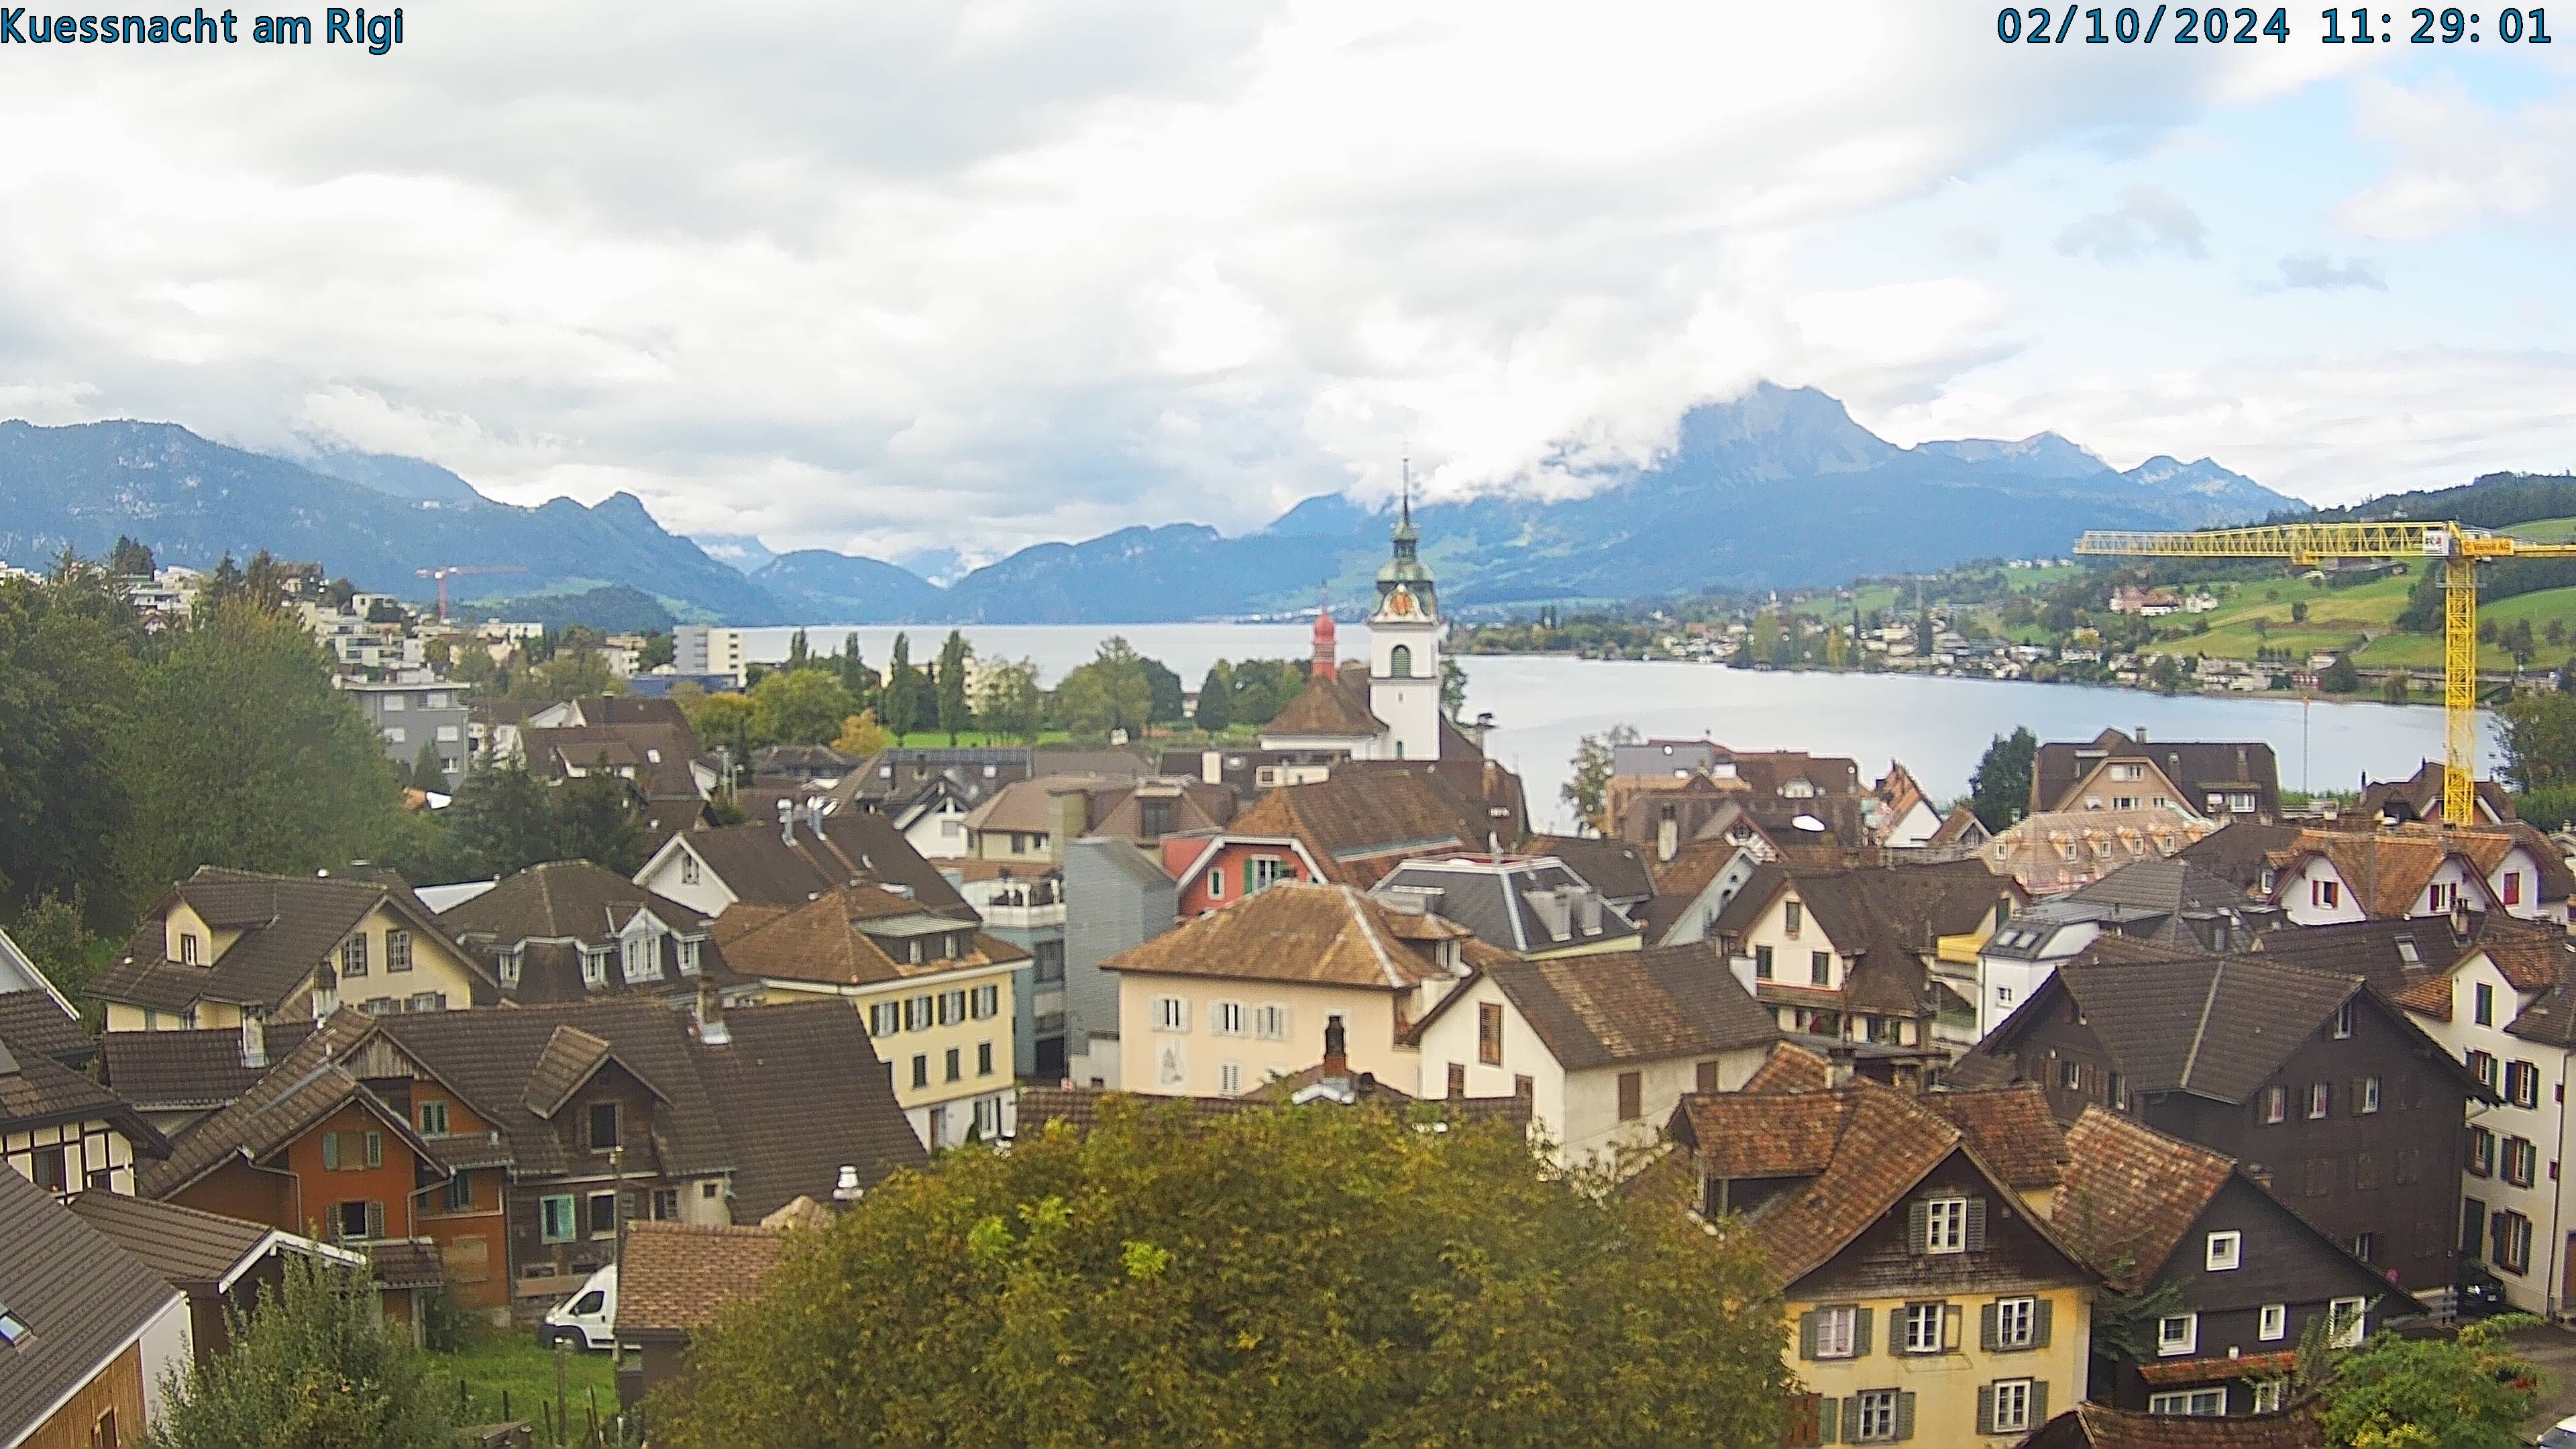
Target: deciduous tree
x: 1011, y: 705
x: 2468, y: 1391
x: 314, y: 1365
x: 1587, y: 788
x: 1110, y: 691
x: 1216, y: 699
x: 954, y: 715
x: 799, y: 707
x: 861, y: 735
x: 899, y: 704
x: 1306, y: 1276
x: 1999, y: 792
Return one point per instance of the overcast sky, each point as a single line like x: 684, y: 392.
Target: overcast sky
x: 894, y: 276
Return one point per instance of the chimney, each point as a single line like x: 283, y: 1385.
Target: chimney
x: 1212, y: 766
x: 1838, y: 1065
x: 709, y: 1015
x: 2459, y: 914
x: 1337, y: 1060
x: 1668, y: 839
x: 847, y: 1190
x: 814, y: 812
x: 787, y: 821
x: 2260, y: 1172
x: 254, y: 1039
x: 2141, y: 735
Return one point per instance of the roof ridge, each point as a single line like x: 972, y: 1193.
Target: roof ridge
x: 1359, y: 907
x: 2200, y: 1030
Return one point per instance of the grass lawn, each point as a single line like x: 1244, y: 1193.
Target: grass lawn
x: 498, y: 1359
x: 2546, y: 530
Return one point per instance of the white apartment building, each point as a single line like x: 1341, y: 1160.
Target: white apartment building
x: 709, y: 649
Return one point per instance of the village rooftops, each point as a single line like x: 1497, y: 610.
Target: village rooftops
x: 71, y: 1301
x: 855, y: 935
x: 1527, y: 905
x: 676, y: 1278
x: 1297, y: 931
x: 2387, y: 869
x: 792, y: 862
x: 1627, y: 1006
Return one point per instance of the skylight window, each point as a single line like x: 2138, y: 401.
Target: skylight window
x: 13, y: 1329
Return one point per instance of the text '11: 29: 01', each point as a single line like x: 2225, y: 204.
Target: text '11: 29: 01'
x: 2219, y: 25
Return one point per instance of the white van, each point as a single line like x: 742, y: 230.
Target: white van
x: 589, y: 1319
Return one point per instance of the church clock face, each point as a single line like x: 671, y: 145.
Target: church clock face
x: 1400, y: 603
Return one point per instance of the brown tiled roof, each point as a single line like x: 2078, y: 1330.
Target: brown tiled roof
x: 571, y: 900
x: 1029, y: 805
x: 1630, y: 1006
x: 191, y: 1249
x: 1326, y: 707
x: 566, y: 1061
x: 2132, y: 1193
x: 37, y: 1091
x: 1888, y: 917
x: 798, y: 1094
x: 405, y: 1264
x: 2218, y: 1370
x: 1615, y: 868
x: 183, y: 1069
x: 2196, y: 767
x: 2240, y: 851
x: 1292, y: 931
x: 826, y: 940
x: 2099, y: 1426
x: 1765, y: 1133
x: 2421, y: 795
x: 1693, y: 867
x: 757, y: 864
x: 658, y: 754
x: 305, y: 1087
x: 1080, y: 1107
x: 2010, y: 1127
x: 1791, y: 1068
x: 1959, y: 826
x: 677, y: 1277
x: 82, y: 1297
x: 30, y: 1022
x: 1361, y: 824
x: 290, y: 925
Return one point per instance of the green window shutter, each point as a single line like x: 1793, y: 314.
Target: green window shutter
x: 2039, y: 1325
x: 2038, y: 1400
x: 1986, y: 1328
x: 375, y: 1149
x: 1976, y: 1225
x: 1918, y: 1225
x: 1896, y: 1329
x: 1952, y: 1317
x: 1807, y: 1334
x: 1862, y: 1318
x: 1247, y: 877
x: 1905, y: 1414
x: 1851, y: 1418
x: 330, y: 1152
x: 1985, y: 1408
x: 1828, y: 1421
x: 375, y: 1220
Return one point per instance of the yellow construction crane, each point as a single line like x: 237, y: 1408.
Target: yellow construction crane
x: 2458, y: 546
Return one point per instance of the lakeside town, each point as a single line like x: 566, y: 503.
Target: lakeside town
x: 567, y: 1007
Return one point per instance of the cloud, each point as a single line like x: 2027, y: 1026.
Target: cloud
x: 2456, y: 162
x: 974, y: 276
x: 2315, y: 271
x: 2148, y: 220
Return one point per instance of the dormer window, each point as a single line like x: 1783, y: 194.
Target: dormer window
x: 688, y: 868
x: 188, y: 949
x: 688, y: 946
x: 513, y: 959
x: 642, y: 963
x: 594, y: 966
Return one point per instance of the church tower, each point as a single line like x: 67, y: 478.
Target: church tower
x: 1404, y: 645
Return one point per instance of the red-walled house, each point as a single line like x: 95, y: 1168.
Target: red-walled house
x: 1216, y: 870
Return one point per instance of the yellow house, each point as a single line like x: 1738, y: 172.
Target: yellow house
x: 226, y: 946
x: 1928, y: 1297
x: 1227, y: 1001
x: 934, y: 991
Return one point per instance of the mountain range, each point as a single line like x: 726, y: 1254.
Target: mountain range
x: 1777, y: 488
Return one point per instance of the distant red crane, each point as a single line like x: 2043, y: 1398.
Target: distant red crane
x: 443, y: 574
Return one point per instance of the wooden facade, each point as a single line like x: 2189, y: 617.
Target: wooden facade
x: 107, y: 1413
x: 71, y: 1156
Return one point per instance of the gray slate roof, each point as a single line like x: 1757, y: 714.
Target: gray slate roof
x: 80, y: 1295
x: 190, y: 1069
x: 1631, y: 1006
x: 31, y: 1022
x: 193, y: 1250
x: 289, y: 925
x: 757, y: 863
x: 1496, y: 902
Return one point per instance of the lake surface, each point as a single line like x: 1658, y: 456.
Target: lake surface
x: 1938, y: 727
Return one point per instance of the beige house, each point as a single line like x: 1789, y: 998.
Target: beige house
x: 934, y: 991
x: 1225, y: 1002
x: 1604, y: 1046
x: 2065, y: 850
x: 228, y: 945
x: 58, y: 1129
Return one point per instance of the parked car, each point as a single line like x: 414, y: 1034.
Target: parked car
x: 589, y: 1318
x: 2481, y: 1292
x: 2561, y: 1435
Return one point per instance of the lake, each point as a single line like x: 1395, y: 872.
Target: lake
x: 1938, y: 727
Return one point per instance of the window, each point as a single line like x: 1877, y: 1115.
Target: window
x: 1762, y: 962
x: 357, y: 1221
x: 1216, y: 884
x: 2270, y: 1395
x: 2481, y: 1151
x: 2345, y: 1318
x: 393, y: 734
x: 554, y: 1218
x: 1399, y: 662
x: 602, y: 1214
x: 594, y: 965
x: 1262, y: 872
x: 2003, y: 996
x: 2320, y: 1099
x: 433, y: 1119
x: 637, y: 955
x: 1836, y: 1332
x: 352, y: 1151
x: 666, y: 1204
x: 1227, y: 1018
x: 2226, y: 1252
x: 2014, y: 1324
x: 987, y: 1001
x: 2522, y: 1084
x: 954, y: 1064
x: 2342, y: 1029
x: 1171, y: 1013
x: 688, y: 948
x: 2197, y: 1403
x: 1229, y: 1079
x: 2273, y: 1322
x: 2485, y: 1004
x: 921, y: 1069
x: 458, y: 1195
x: 2513, y: 888
x: 1923, y: 1324
x: 2177, y: 1334
x: 2325, y: 894
x: 1945, y: 1225
x: 1876, y: 1416
x: 2007, y: 1407
x: 1631, y: 1096
x: 2070, y: 1075
x: 1270, y: 1023
x: 917, y: 1013
x: 988, y: 1117
x: 952, y: 1007
x: 47, y: 1170
x: 1794, y: 917
x: 2521, y: 1161
x: 885, y: 1018
x: 1707, y: 1078
x: 709, y: 1189
x: 983, y: 1059
x: 2482, y: 1065
x: 2365, y: 1172
x: 512, y: 959
x: 188, y: 948
x: 1489, y: 1034
x: 1820, y: 967
x: 2276, y: 1105
x: 1457, y: 1079
x: 603, y: 1126
x: 2366, y: 1096
x: 688, y: 868
x: 2365, y: 1246
x: 353, y: 956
